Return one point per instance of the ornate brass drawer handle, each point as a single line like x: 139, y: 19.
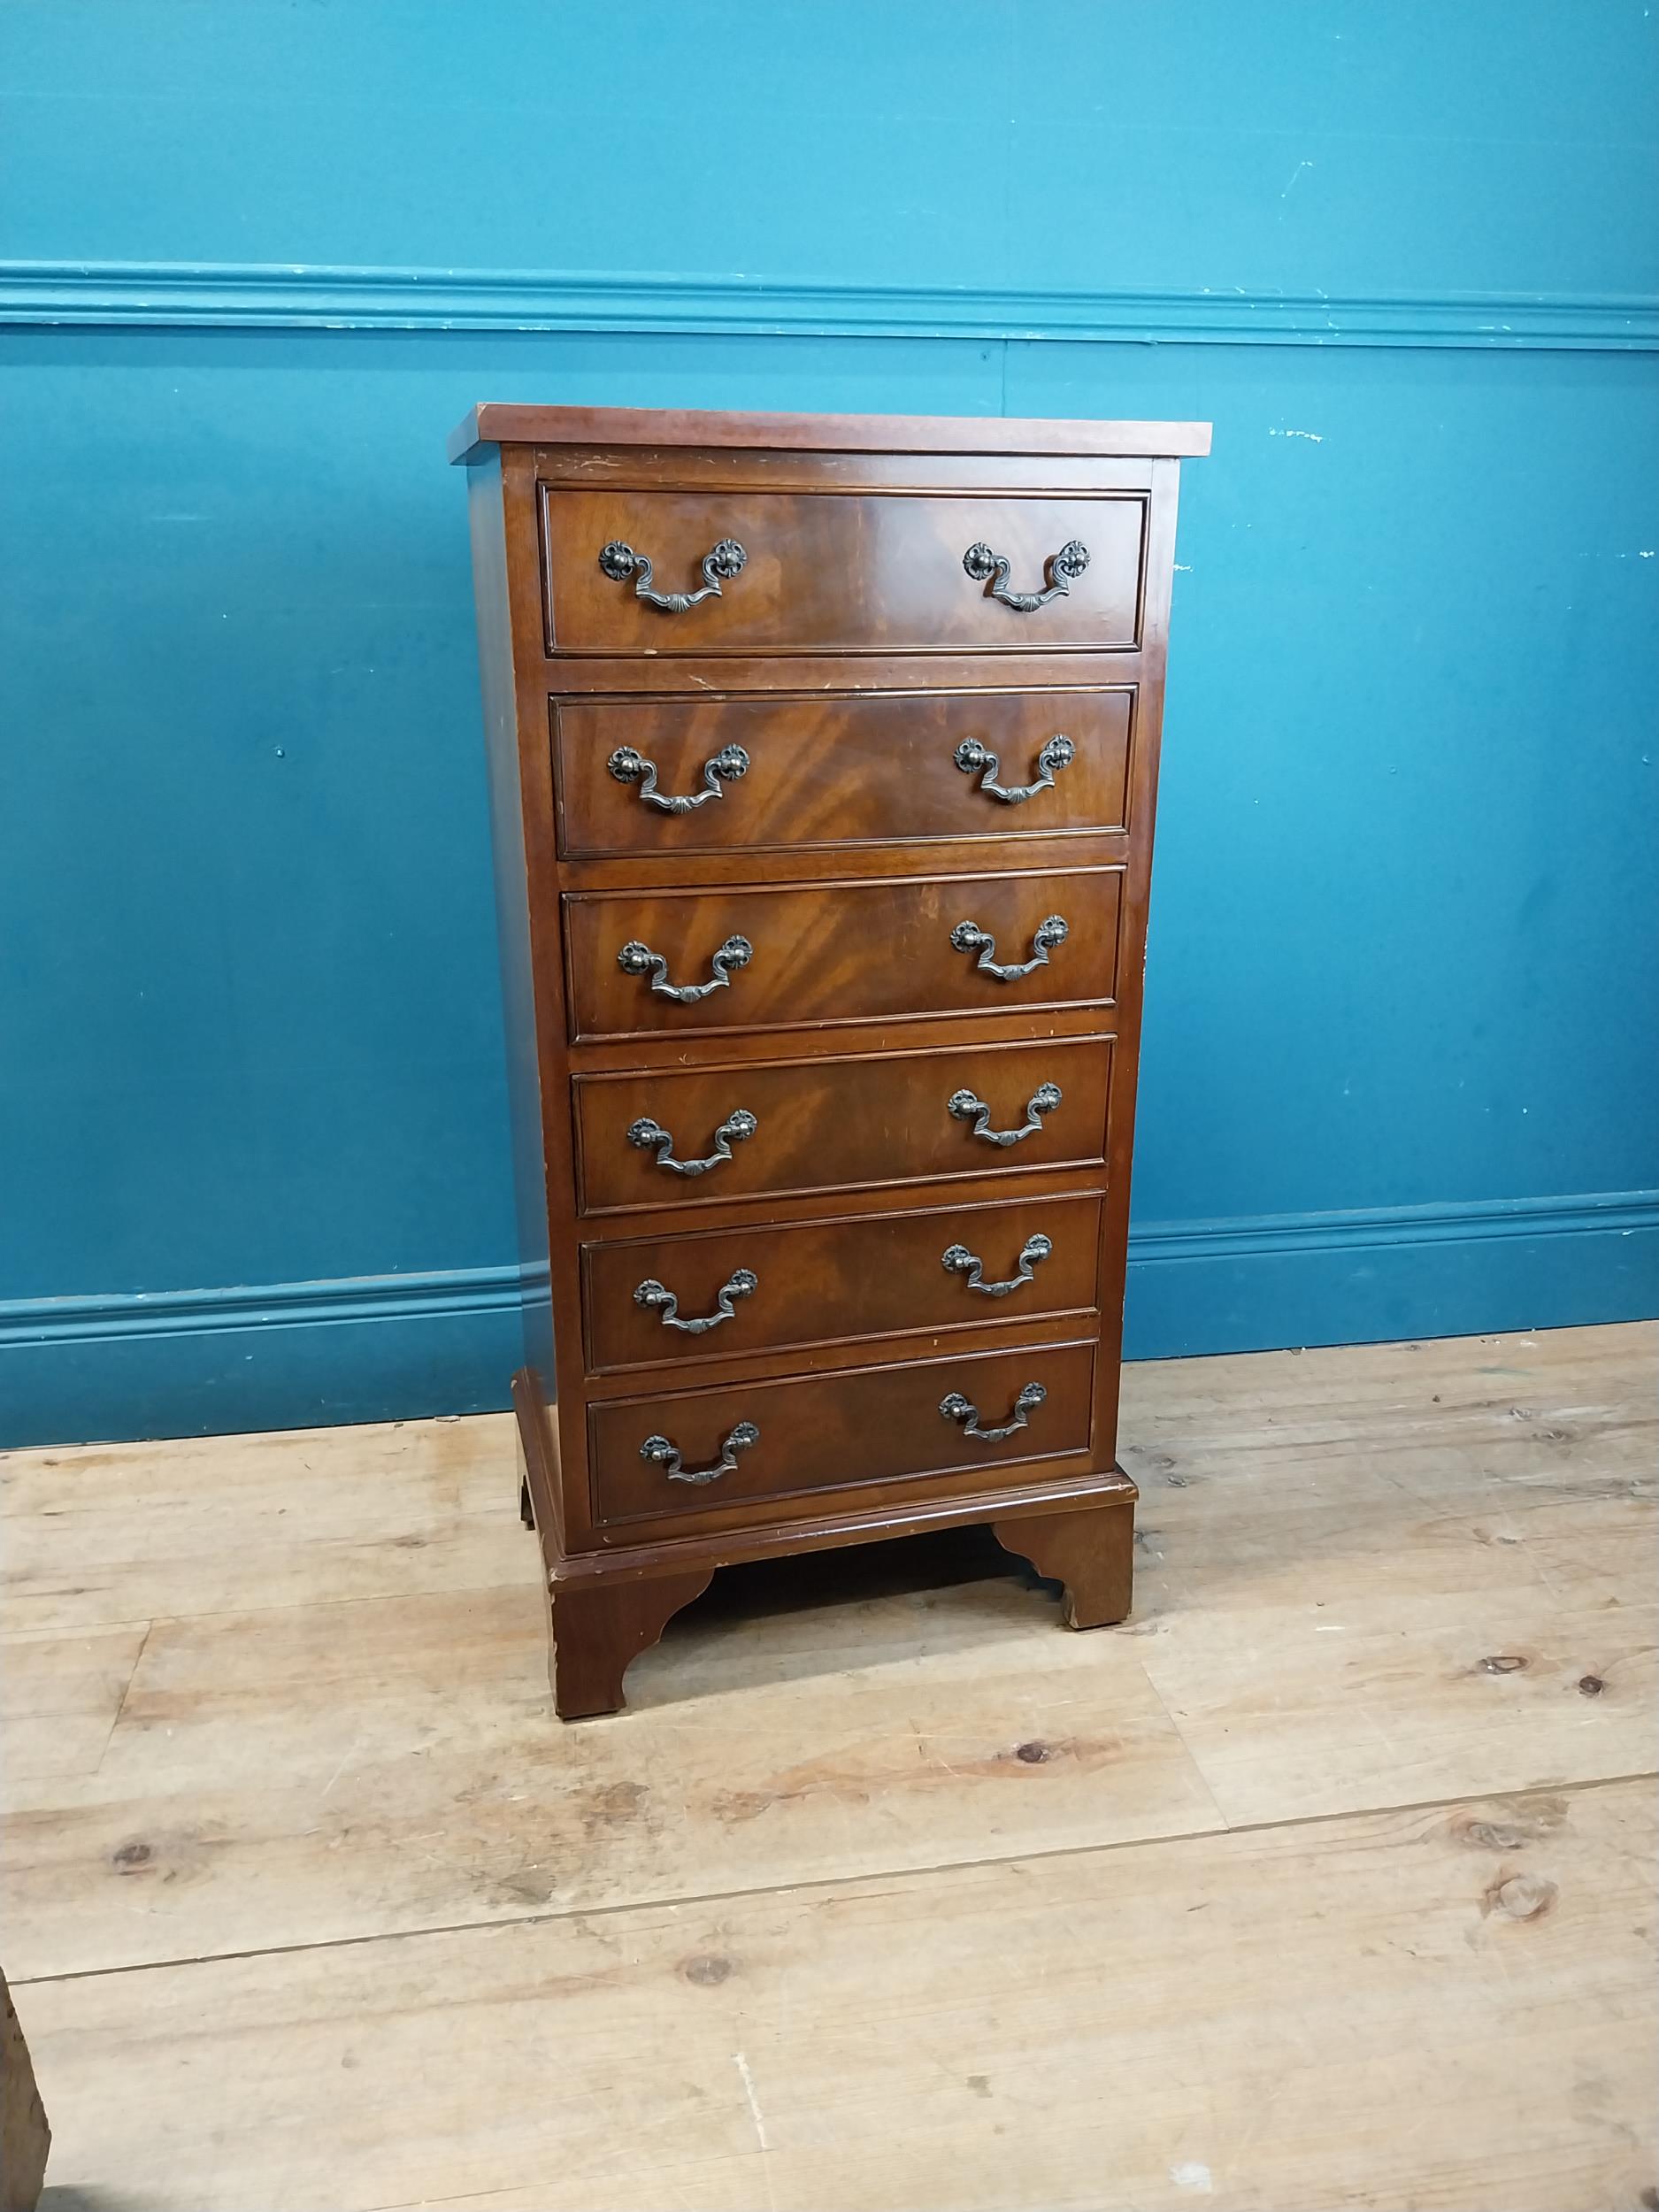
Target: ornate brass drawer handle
x: 957, y: 1408
x: 1061, y: 571
x: 637, y: 959
x: 972, y: 755
x: 962, y: 1106
x: 959, y: 1260
x: 742, y: 1283
x: 650, y: 1136
x: 729, y: 762
x: 726, y: 559
x: 667, y: 1455
x: 969, y: 937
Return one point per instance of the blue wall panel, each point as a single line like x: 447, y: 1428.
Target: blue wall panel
x: 1403, y: 1007
x: 1502, y: 146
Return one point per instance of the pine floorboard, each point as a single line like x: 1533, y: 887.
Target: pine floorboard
x: 1327, y: 1880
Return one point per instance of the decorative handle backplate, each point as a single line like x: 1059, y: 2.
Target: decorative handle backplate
x: 962, y: 1106
x: 725, y: 560
x: 637, y: 959
x: 667, y: 1455
x: 1061, y: 571
x: 972, y: 756
x: 957, y: 1408
x: 969, y: 937
x: 959, y: 1260
x: 650, y: 1136
x: 741, y: 1284
x: 729, y: 764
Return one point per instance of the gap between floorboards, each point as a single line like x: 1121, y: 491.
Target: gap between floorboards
x: 907, y: 1874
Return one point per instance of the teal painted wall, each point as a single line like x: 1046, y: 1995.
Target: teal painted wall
x: 1403, y: 1039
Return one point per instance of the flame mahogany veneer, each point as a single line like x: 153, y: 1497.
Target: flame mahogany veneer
x: 823, y: 758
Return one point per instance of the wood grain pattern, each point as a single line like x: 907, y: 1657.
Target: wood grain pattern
x: 101, y: 1539
x: 935, y: 2040
x: 830, y: 947
x: 1090, y: 1554
x: 505, y: 423
x: 59, y: 1696
x: 669, y: 467
x: 831, y: 1125
x: 599, y: 1627
x: 829, y: 1433
x: 839, y: 571
x: 841, y: 952
x: 825, y: 772
x: 520, y: 838
x: 25, y: 2137
x: 879, y: 1276
x: 351, y: 1923
x: 344, y: 1728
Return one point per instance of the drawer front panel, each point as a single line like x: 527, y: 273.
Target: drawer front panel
x: 782, y: 1440
x: 852, y: 1122
x: 801, y: 773
x: 763, y: 1289
x: 861, y: 951
x: 839, y: 571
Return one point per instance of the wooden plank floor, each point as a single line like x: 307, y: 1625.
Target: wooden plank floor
x: 1327, y: 1881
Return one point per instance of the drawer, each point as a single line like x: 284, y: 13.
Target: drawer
x: 748, y: 773
x: 698, y: 1451
x: 685, y: 1136
x: 765, y: 1289
x: 777, y: 958
x: 842, y: 571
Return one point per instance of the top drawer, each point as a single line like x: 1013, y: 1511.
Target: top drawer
x: 746, y: 572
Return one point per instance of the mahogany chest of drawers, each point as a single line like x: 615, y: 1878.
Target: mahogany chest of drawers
x: 823, y: 759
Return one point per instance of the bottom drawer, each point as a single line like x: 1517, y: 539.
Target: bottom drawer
x: 704, y: 1450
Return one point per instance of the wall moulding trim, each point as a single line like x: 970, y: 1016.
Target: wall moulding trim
x: 388, y: 1347
x: 1262, y: 1236
x: 449, y: 1294
x: 224, y: 296
x: 444, y: 1294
